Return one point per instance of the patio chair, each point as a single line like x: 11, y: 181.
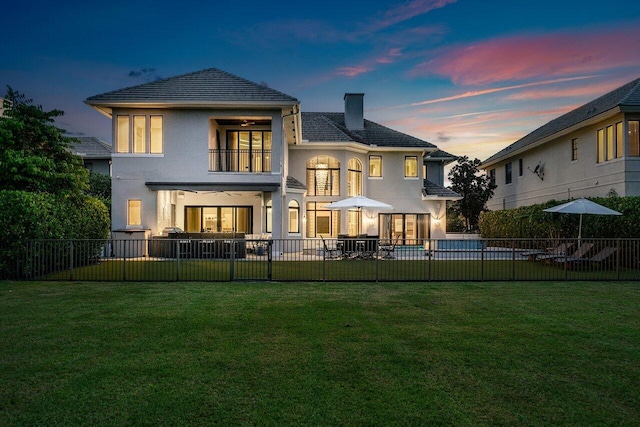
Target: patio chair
x: 333, y: 253
x: 575, y: 258
x: 387, y: 250
x: 602, y: 258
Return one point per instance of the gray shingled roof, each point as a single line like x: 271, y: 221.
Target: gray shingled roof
x: 433, y: 190
x: 440, y: 155
x: 330, y: 127
x: 625, y: 96
x: 91, y: 148
x: 206, y: 86
x: 293, y: 183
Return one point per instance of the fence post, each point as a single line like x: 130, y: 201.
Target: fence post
x: 269, y: 259
x: 177, y: 249
x: 482, y: 263
x: 618, y: 259
x: 232, y: 257
x: 124, y: 260
x: 513, y: 263
x: 70, y: 259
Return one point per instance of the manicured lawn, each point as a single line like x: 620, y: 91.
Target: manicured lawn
x: 518, y: 353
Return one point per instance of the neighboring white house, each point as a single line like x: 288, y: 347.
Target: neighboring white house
x: 96, y: 154
x: 591, y: 151
x: 210, y: 151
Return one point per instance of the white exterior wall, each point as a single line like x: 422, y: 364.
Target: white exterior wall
x: 186, y: 140
x: 564, y: 178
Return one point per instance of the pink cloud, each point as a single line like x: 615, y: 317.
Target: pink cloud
x: 352, y: 71
x: 528, y: 57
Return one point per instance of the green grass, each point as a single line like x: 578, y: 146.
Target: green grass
x: 335, y: 270
x: 519, y: 353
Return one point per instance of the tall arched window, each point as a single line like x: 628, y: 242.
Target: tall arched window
x: 354, y: 178
x: 294, y: 217
x: 323, y: 176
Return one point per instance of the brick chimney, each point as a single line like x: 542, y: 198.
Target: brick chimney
x: 354, y: 111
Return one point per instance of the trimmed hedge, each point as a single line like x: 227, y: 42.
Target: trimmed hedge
x: 35, y: 216
x: 533, y: 222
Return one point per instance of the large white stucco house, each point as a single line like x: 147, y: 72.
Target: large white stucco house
x: 591, y: 151
x: 212, y: 152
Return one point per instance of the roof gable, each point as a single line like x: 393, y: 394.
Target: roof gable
x: 206, y: 86
x: 330, y: 127
x: 627, y: 96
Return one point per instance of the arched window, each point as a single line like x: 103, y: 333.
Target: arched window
x: 354, y: 178
x: 294, y: 217
x: 323, y: 176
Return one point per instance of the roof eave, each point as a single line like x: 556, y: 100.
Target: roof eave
x: 592, y: 120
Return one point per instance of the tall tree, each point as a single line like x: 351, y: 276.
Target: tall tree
x: 475, y: 188
x: 34, y: 154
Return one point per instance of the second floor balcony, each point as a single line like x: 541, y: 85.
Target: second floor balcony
x: 250, y: 161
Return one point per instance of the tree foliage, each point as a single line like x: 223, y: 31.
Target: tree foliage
x: 34, y: 153
x: 474, y: 187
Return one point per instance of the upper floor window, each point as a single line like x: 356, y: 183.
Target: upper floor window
x: 411, y: 166
x: 140, y: 134
x: 354, y: 178
x: 375, y: 166
x: 610, y: 142
x: 619, y: 140
x: 323, y: 176
x: 574, y: 149
x: 634, y: 140
x: 294, y: 217
x: 600, y: 138
x: 492, y: 176
x: 508, y: 173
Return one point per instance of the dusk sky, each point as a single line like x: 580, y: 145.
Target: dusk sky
x: 470, y: 76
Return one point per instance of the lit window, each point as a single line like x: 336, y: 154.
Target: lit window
x: 634, y: 141
x: 269, y: 211
x: 375, y: 166
x: 156, y: 135
x: 294, y: 215
x: 601, y: 146
x: 508, y: 173
x: 611, y: 148
x: 619, y: 140
x: 411, y: 167
x: 139, y: 134
x: 574, y: 149
x: 323, y: 176
x: 134, y: 212
x: 354, y: 178
x: 122, y: 138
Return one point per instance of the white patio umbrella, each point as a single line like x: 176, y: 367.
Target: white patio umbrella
x: 582, y: 207
x: 358, y: 202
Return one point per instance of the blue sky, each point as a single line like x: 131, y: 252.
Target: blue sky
x: 470, y: 76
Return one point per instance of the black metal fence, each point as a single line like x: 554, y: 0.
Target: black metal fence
x: 357, y: 259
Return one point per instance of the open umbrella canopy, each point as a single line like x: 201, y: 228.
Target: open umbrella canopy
x: 358, y: 202
x: 582, y: 207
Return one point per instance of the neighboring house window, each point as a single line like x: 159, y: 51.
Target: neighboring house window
x: 134, y: 212
x: 520, y: 167
x: 507, y: 173
x: 133, y: 133
x: 619, y: 140
x: 269, y: 211
x: 611, y: 147
x: 321, y: 221
x: 354, y: 178
x: 411, y: 167
x: 574, y: 149
x: 294, y: 216
x: 634, y: 140
x: 492, y: 176
x: 323, y: 176
x: 375, y: 166
x: 601, y: 145
x: 247, y: 151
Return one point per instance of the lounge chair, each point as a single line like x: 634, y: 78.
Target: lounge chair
x: 602, y: 258
x: 333, y: 253
x: 578, y: 255
x: 537, y: 255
